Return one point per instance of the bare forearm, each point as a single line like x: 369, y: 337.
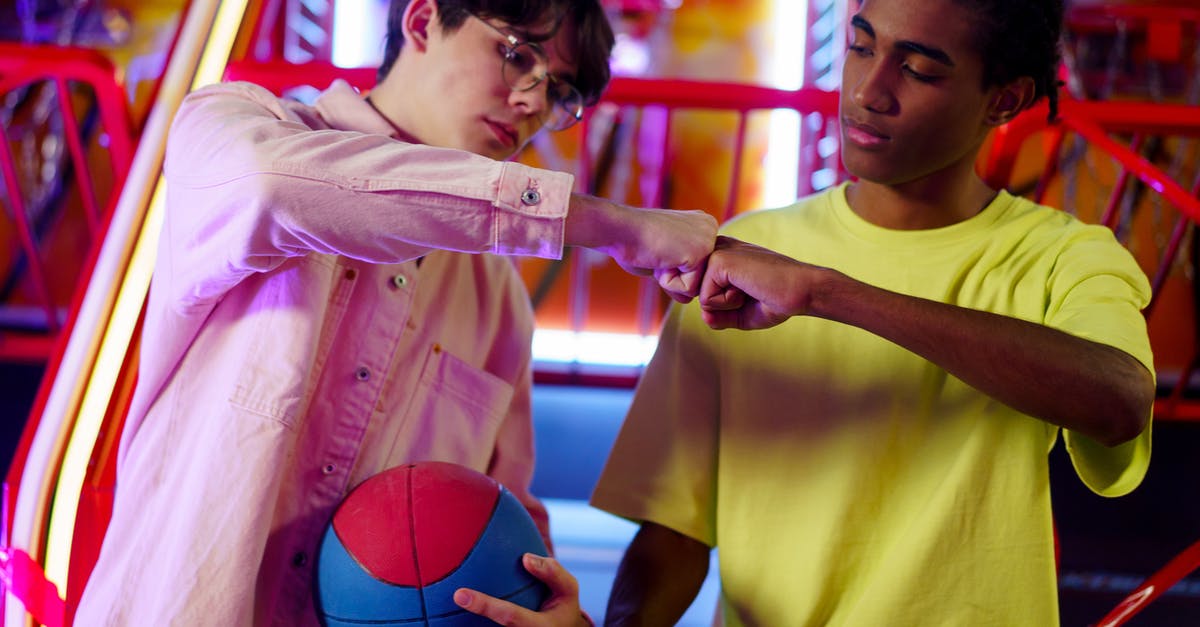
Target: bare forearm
x: 658, y: 578
x: 639, y: 237
x: 590, y: 221
x: 1074, y: 383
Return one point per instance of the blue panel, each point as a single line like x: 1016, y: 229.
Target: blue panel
x: 494, y: 565
x: 347, y: 593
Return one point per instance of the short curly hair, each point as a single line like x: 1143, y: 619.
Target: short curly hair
x: 594, y: 36
x: 1020, y: 38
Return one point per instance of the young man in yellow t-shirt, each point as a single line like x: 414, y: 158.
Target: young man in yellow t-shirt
x: 879, y: 455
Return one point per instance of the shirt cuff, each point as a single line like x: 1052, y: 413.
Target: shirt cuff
x: 531, y: 210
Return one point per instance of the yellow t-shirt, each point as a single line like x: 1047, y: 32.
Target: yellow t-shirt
x: 847, y: 481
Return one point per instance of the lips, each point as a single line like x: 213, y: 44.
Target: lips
x: 862, y: 134
x: 506, y: 133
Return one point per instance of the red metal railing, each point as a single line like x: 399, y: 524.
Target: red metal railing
x: 73, y: 74
x: 84, y: 102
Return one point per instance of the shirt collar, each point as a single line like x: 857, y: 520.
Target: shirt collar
x: 344, y: 109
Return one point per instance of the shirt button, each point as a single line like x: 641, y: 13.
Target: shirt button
x: 328, y: 469
x: 362, y: 374
x: 351, y: 273
x: 531, y: 197
x: 399, y: 280
x: 299, y: 559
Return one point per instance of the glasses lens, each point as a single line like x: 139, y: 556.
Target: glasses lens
x: 524, y: 67
x: 567, y: 105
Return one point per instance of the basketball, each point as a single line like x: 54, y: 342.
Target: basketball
x: 403, y: 541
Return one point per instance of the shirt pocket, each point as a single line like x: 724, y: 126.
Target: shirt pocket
x: 456, y: 413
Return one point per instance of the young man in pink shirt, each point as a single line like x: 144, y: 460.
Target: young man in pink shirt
x: 322, y: 308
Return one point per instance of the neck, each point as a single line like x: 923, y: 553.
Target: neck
x: 919, y: 205
x: 400, y: 133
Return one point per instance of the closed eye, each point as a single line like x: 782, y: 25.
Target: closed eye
x: 924, y: 78
x: 861, y: 51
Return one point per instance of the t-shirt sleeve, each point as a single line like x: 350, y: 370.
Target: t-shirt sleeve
x: 662, y: 467
x: 1097, y: 292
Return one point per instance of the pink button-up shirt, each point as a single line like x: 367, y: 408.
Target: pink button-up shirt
x: 309, y: 326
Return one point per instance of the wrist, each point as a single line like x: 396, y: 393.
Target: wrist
x: 586, y: 223
x: 609, y: 227
x: 828, y: 291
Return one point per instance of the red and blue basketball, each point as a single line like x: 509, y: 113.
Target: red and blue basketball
x: 403, y: 541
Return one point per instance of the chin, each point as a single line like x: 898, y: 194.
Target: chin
x: 865, y: 170
x: 493, y: 149
x: 502, y: 155
x: 877, y: 169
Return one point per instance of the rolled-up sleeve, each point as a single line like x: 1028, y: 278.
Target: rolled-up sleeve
x: 253, y: 180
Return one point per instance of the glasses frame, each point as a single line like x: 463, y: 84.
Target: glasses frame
x: 565, y: 111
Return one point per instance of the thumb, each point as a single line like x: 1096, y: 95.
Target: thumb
x: 682, y: 286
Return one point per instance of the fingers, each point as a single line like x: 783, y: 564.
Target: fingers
x: 682, y: 286
x: 747, y: 287
x: 500, y: 611
x: 760, y: 288
x: 663, y: 239
x: 717, y: 298
x: 717, y: 289
x: 720, y: 319
x: 560, y: 609
x: 560, y: 581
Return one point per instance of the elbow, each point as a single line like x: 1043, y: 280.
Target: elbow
x: 1130, y: 416
x: 1125, y: 429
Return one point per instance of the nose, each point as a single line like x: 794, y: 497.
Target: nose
x: 535, y: 102
x: 873, y: 90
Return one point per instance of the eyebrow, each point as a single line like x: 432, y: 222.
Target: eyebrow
x: 937, y: 54
x: 539, y: 41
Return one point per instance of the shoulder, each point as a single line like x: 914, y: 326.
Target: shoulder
x: 1073, y: 248
x: 237, y: 98
x: 1054, y: 227
x: 1020, y: 210
x: 231, y: 91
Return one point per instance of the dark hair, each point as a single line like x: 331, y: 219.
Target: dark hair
x: 593, y: 39
x: 1020, y: 38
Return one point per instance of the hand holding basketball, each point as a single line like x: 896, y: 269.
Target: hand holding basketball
x: 402, y: 542
x: 561, y: 609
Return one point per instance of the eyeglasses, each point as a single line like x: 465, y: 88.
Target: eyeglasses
x: 526, y: 66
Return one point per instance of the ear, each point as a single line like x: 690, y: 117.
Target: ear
x: 1009, y: 100
x: 419, y: 18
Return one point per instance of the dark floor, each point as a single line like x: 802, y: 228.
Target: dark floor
x: 18, y: 385
x: 1108, y: 545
